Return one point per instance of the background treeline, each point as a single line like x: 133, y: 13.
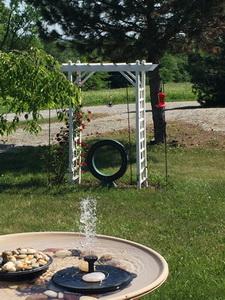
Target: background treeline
x: 20, y: 29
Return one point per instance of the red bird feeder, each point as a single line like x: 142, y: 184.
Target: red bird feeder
x: 161, y: 98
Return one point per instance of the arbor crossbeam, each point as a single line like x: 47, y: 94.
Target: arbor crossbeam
x: 108, y: 67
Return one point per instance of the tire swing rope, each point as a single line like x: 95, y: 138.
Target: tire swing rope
x: 107, y: 180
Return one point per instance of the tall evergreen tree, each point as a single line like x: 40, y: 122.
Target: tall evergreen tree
x: 135, y: 29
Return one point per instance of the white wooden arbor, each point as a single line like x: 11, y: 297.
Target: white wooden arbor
x: 135, y: 73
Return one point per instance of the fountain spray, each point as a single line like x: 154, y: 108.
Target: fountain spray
x: 98, y: 278
x: 88, y: 220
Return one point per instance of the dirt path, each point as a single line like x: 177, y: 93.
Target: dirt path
x: 111, y: 119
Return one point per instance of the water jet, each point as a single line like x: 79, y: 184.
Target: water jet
x: 99, y: 278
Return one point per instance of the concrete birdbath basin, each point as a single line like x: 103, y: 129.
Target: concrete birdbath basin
x: 149, y: 267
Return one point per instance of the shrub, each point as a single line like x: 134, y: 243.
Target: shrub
x: 208, y: 77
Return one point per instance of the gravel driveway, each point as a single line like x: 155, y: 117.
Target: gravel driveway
x: 116, y: 117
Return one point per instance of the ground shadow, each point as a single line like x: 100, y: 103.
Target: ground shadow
x: 184, y: 108
x: 22, y: 167
x: 17, y: 162
x: 171, y: 109
x: 21, y: 160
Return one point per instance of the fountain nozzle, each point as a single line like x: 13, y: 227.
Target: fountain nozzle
x: 91, y: 259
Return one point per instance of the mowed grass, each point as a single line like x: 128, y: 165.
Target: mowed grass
x: 181, y: 218
x: 179, y: 91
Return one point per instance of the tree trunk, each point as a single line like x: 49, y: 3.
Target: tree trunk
x: 158, y: 113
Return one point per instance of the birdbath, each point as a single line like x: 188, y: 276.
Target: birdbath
x: 149, y: 267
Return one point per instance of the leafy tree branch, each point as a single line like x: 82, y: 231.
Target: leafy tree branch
x: 29, y: 82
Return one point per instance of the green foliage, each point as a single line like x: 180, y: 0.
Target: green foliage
x: 18, y: 28
x: 62, y: 51
x: 29, y: 82
x: 174, y: 68
x: 55, y: 159
x: 97, y: 81
x: 117, y: 81
x: 208, y: 77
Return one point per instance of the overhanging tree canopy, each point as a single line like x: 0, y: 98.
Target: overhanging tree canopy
x: 18, y: 28
x: 126, y: 30
x: 29, y: 82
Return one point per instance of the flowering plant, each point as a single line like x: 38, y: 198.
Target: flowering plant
x: 57, y: 163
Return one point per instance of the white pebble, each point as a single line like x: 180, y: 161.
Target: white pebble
x: 8, y: 266
x: 63, y: 253
x: 94, y: 277
x: 21, y: 256
x: 19, y: 265
x: 42, y: 262
x: 60, y: 295
x: 13, y: 269
x: 31, y: 251
x: 23, y: 251
x: 51, y: 294
x: 35, y: 265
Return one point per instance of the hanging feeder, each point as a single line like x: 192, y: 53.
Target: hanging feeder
x: 161, y: 99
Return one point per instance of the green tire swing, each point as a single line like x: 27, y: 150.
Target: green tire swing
x: 107, y: 180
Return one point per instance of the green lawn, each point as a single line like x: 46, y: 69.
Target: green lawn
x: 182, y: 219
x: 181, y: 91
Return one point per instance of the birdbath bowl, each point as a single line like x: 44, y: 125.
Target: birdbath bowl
x: 149, y: 267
